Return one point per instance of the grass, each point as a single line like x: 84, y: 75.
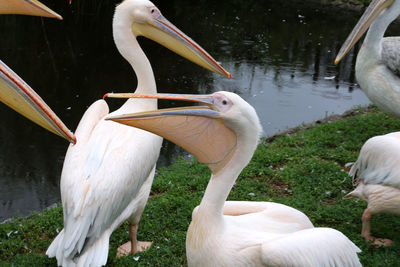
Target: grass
x: 305, y: 170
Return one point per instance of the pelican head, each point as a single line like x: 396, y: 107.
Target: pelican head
x: 377, y: 8
x: 146, y: 20
x: 27, y: 7
x: 211, y: 132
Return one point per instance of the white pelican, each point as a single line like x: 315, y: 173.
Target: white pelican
x: 107, y: 174
x: 376, y: 173
x: 224, y: 136
x: 378, y: 61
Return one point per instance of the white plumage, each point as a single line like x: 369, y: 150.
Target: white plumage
x: 391, y: 53
x: 239, y: 233
x: 261, y: 233
x: 377, y: 71
x: 107, y: 174
x: 378, y: 61
x: 376, y: 173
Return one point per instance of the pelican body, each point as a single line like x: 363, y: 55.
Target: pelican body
x: 224, y: 135
x: 378, y: 61
x: 107, y: 174
x: 376, y: 175
x: 377, y: 72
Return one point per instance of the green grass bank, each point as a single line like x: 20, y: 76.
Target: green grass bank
x: 305, y: 169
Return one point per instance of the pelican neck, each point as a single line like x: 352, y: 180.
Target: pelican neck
x: 130, y: 49
x: 373, y: 39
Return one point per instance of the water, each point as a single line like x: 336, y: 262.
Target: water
x: 280, y: 56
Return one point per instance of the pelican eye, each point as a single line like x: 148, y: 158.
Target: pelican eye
x: 224, y: 102
x: 154, y: 12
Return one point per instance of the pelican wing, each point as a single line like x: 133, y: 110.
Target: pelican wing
x: 311, y: 247
x: 97, y: 182
x: 379, y: 161
x: 71, y: 189
x: 260, y: 213
x: 391, y: 53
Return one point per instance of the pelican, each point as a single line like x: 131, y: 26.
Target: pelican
x: 107, y: 174
x: 376, y: 173
x: 224, y: 135
x: 378, y: 61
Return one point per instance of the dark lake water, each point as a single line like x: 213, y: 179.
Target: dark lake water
x: 280, y: 56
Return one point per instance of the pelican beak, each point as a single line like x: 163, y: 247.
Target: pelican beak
x: 160, y: 30
x: 374, y: 9
x: 18, y: 95
x: 199, y: 129
x: 27, y: 7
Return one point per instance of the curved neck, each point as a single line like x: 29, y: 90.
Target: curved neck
x: 222, y: 182
x: 373, y: 40
x: 130, y: 49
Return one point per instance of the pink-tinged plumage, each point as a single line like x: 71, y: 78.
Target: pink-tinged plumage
x: 376, y: 175
x: 261, y: 233
x: 239, y: 233
x: 107, y: 175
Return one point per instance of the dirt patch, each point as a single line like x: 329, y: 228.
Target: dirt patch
x: 280, y: 188
x: 330, y: 202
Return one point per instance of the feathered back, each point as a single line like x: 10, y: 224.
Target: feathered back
x: 379, y: 161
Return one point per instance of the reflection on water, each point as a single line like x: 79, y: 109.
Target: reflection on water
x: 280, y: 56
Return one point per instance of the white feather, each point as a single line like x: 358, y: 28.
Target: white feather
x: 311, y: 247
x: 379, y: 161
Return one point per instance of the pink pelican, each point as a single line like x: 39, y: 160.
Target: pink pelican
x: 224, y: 135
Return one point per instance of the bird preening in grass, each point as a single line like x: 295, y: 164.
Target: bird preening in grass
x: 376, y: 175
x: 224, y: 134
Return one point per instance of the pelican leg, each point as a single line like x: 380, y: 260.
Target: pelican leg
x: 133, y: 246
x: 366, y: 231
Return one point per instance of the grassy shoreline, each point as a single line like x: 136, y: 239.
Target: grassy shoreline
x: 305, y: 168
